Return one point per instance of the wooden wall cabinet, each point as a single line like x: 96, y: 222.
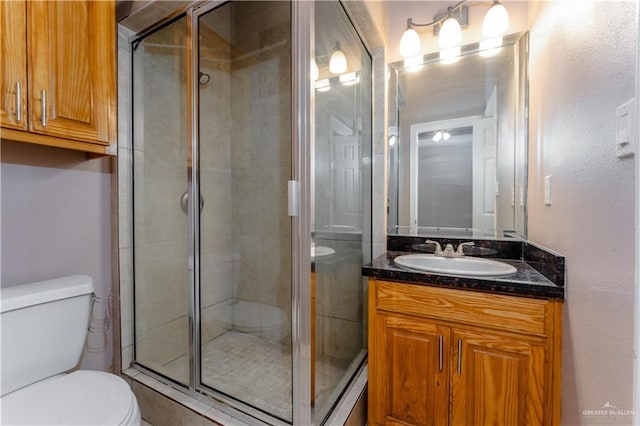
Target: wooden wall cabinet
x: 59, y: 74
x: 454, y: 357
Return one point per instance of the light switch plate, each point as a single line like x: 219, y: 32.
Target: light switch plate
x: 547, y: 190
x: 625, y: 144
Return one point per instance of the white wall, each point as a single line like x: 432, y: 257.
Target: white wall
x: 56, y: 221
x: 582, y: 66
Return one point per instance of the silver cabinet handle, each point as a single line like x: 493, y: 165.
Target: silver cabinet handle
x: 18, y: 102
x: 440, y: 344
x: 43, y: 103
x: 459, y: 357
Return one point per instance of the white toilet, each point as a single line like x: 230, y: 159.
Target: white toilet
x: 44, y: 329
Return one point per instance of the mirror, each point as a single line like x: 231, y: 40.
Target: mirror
x: 458, y: 143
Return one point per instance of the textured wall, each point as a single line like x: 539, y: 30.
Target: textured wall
x: 582, y: 67
x: 56, y: 221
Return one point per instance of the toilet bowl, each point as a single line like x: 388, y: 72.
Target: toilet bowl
x: 44, y: 328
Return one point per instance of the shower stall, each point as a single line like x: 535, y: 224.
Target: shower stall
x: 252, y: 204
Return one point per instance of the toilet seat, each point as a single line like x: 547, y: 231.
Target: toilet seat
x: 79, y: 398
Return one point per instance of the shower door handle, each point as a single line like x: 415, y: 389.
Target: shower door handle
x: 184, y: 202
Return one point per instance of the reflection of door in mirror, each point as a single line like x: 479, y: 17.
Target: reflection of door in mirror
x: 485, y: 185
x: 346, y: 209
x: 453, y: 174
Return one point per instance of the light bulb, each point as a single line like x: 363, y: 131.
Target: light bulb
x: 392, y: 140
x: 410, y: 43
x: 450, y: 56
x: 437, y: 137
x: 338, y: 62
x: 496, y: 21
x: 446, y: 135
x: 450, y: 33
x: 315, y: 73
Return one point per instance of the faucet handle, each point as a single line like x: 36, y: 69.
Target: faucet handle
x: 438, y: 251
x: 460, y: 250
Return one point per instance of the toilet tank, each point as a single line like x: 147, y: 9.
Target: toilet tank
x: 44, y: 328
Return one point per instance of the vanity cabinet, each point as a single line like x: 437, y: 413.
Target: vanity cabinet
x: 59, y: 74
x: 441, y: 356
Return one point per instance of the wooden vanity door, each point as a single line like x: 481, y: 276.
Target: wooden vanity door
x: 410, y: 371
x: 497, y: 379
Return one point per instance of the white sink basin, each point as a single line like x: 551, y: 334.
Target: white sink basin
x: 321, y: 251
x: 455, y: 265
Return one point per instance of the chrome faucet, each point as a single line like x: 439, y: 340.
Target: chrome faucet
x: 461, y: 246
x: 438, y: 251
x: 448, y: 249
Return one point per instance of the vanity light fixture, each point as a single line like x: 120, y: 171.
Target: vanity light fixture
x: 450, y: 33
x: 448, y: 28
x: 338, y: 62
x: 496, y: 21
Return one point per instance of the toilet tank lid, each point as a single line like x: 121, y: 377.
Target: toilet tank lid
x: 21, y: 296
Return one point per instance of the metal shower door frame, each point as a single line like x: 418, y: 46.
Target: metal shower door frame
x: 302, y: 30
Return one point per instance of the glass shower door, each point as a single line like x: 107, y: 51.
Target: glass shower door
x: 244, y: 115
x: 161, y: 170
x: 341, y: 205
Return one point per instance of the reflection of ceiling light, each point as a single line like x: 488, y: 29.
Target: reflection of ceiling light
x: 349, y: 79
x: 441, y: 135
x: 413, y: 64
x: 450, y: 56
x: 338, y: 62
x: 490, y: 46
x: 323, y: 85
x: 450, y: 33
x: 410, y: 42
x: 392, y: 140
x: 315, y: 73
x: 496, y: 21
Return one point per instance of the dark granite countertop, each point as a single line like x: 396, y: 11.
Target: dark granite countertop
x: 527, y: 281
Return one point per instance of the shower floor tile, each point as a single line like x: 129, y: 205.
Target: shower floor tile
x: 258, y: 372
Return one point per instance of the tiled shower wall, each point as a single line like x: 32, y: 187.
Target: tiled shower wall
x: 216, y: 235
x: 261, y: 155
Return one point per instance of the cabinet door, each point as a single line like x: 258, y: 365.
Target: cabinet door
x: 409, y: 372
x: 496, y: 379
x: 72, y: 71
x: 13, y: 106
